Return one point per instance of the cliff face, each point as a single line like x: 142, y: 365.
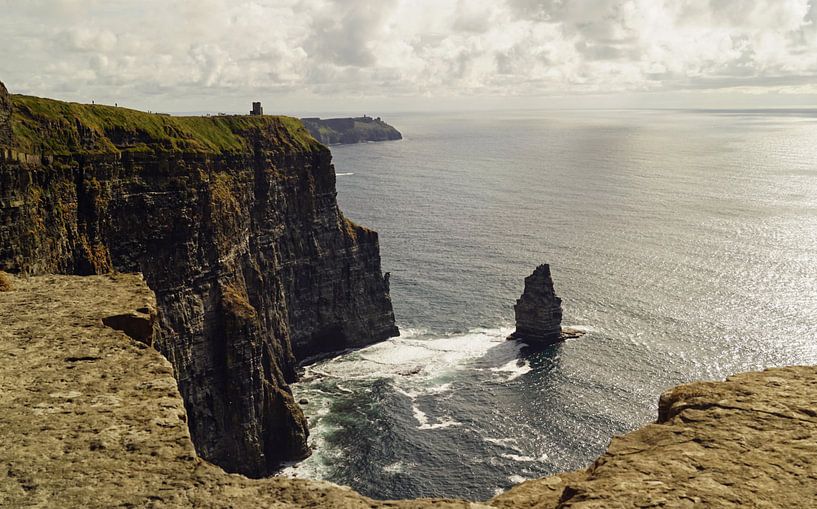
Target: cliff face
x: 5, y: 116
x: 91, y: 418
x: 333, y: 131
x: 233, y: 222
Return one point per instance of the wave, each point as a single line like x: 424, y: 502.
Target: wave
x: 418, y: 365
x: 347, y: 174
x: 414, y: 356
x: 515, y: 367
x: 422, y: 419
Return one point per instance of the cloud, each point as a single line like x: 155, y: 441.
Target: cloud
x: 186, y: 50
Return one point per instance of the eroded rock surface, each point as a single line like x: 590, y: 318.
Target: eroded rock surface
x: 234, y: 223
x: 748, y: 442
x: 91, y: 418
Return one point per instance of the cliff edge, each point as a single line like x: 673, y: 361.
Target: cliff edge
x: 90, y: 417
x: 234, y: 223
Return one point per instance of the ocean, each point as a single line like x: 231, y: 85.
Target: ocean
x: 683, y: 242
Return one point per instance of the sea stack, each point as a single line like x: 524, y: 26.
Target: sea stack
x: 539, y: 311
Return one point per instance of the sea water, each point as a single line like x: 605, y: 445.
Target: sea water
x: 683, y: 242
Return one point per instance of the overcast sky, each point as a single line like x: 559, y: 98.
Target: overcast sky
x: 304, y: 56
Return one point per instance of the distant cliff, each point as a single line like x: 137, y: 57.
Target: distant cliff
x: 233, y: 222
x: 333, y: 131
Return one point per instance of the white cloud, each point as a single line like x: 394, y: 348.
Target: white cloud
x: 212, y: 54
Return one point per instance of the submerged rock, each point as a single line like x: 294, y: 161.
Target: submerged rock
x: 539, y: 311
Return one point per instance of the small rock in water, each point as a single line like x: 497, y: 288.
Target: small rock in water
x: 303, y: 401
x: 539, y: 311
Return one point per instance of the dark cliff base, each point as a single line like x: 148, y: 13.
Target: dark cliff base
x: 233, y: 222
x: 92, y: 418
x: 334, y: 131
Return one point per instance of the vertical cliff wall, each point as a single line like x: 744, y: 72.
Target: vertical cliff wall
x: 5, y: 116
x: 234, y: 223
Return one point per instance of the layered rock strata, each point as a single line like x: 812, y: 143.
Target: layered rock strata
x: 234, y: 223
x: 5, y: 117
x: 92, y: 418
x: 539, y: 311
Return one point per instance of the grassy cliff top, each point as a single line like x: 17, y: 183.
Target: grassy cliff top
x: 61, y: 128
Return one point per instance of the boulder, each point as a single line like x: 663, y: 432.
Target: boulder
x: 140, y: 325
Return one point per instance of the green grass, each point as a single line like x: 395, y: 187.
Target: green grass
x: 62, y: 128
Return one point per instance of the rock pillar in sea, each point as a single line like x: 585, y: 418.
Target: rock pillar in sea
x: 538, y: 311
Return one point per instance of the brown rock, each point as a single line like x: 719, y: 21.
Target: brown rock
x: 6, y: 284
x: 748, y: 442
x: 112, y: 432
x: 138, y: 325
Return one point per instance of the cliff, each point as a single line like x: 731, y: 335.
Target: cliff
x: 333, y: 131
x: 5, y: 116
x: 90, y: 417
x: 234, y: 223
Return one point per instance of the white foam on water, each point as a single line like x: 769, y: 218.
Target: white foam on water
x: 398, y: 467
x: 319, y: 464
x: 422, y: 419
x: 517, y: 457
x: 516, y: 479
x: 344, y: 174
x: 417, y: 363
x: 419, y: 415
x: 514, y: 367
x: 505, y: 442
x: 412, y: 357
x: 440, y: 425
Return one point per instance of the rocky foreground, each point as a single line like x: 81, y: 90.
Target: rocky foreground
x: 92, y: 417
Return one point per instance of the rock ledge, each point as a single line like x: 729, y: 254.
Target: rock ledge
x: 92, y: 418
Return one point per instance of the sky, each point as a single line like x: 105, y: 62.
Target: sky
x: 377, y: 56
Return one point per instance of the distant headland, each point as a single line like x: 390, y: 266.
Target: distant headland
x: 336, y: 131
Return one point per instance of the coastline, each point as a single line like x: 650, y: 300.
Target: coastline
x: 110, y: 426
